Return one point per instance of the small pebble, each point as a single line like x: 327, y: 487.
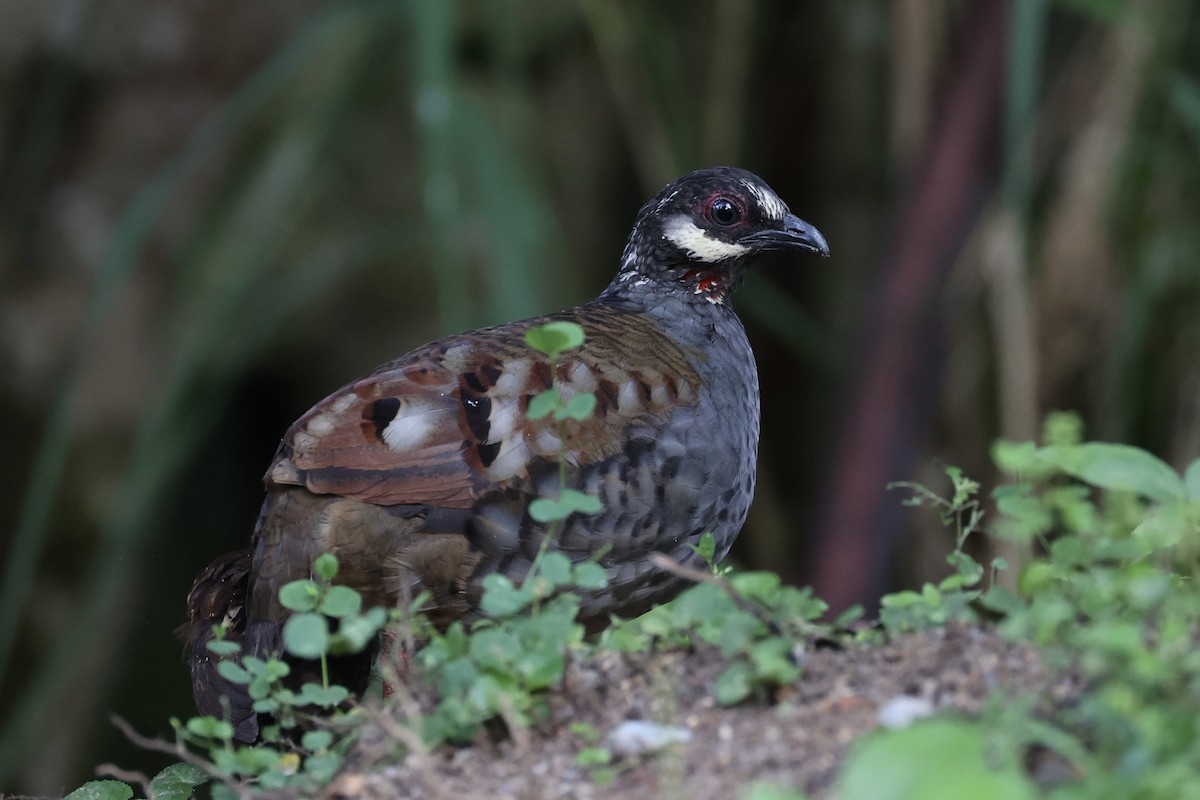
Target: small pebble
x: 902, y: 711
x: 636, y: 737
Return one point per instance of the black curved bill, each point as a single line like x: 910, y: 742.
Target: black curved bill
x: 795, y: 234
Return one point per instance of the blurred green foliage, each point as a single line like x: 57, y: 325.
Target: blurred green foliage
x: 211, y: 217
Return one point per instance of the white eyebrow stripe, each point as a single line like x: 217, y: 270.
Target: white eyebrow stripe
x: 771, y: 205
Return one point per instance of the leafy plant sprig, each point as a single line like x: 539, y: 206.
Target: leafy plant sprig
x: 953, y: 597
x: 496, y: 666
x: 314, y: 600
x: 279, y: 761
x: 552, y: 340
x: 757, y: 622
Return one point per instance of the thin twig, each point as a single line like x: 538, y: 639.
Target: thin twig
x: 409, y: 737
x: 161, y: 746
x: 516, y: 728
x: 127, y: 775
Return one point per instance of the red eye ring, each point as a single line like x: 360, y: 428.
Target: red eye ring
x: 724, y: 210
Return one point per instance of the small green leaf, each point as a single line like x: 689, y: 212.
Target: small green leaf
x: 275, y: 668
x: 259, y: 688
x: 255, y: 665
x: 585, y: 731
x: 602, y: 776
x: 326, y: 566
x: 570, y: 501
x: 968, y: 568
x: 733, y: 685
x: 322, y: 767
x: 761, y: 790
x: 209, y: 727
x: 316, y: 740
x: 484, y: 694
x: 543, y: 509
x: 737, y: 631
x: 176, y: 782
x: 1191, y: 481
x: 267, y: 705
x: 590, y: 575
x: 1117, y: 467
x: 931, y: 595
x: 759, y: 585
x: 772, y: 660
x: 494, y: 649
x: 312, y: 694
x: 306, y: 635
x: 555, y: 568
x: 501, y: 599
x: 848, y: 617
x: 541, y: 668
x: 299, y: 595
x: 895, y: 766
x: 1037, y: 577
x: 593, y: 757
x: 1002, y: 601
x: 222, y: 791
x: 1165, y: 529
x: 1018, y: 458
x: 706, y: 548
x: 340, y: 601
x: 579, y: 408
x: 101, y: 790
x: 233, y: 672
x: 223, y: 647
x: 580, y: 502
x: 555, y: 337
x: 356, y: 632
x: 542, y: 404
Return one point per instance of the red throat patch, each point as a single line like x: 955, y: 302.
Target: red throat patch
x: 708, y: 284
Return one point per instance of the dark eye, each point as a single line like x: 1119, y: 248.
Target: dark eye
x: 724, y: 212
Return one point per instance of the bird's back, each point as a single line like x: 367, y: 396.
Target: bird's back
x: 419, y: 476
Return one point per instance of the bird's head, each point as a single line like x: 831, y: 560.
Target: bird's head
x: 702, y: 231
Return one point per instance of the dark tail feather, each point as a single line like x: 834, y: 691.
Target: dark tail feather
x: 218, y: 596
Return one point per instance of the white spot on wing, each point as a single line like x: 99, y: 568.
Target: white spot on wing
x: 303, y: 441
x: 545, y: 443
x: 320, y: 425
x: 628, y: 402
x: 411, y: 428
x: 503, y: 421
x: 582, y: 378
x: 696, y: 242
x: 512, y: 460
x: 513, y: 379
x: 343, y: 403
x: 658, y: 394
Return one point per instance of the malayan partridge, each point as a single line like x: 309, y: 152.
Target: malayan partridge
x: 419, y: 475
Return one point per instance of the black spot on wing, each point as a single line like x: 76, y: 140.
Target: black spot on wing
x: 487, y: 452
x: 478, y: 413
x: 382, y: 412
x: 490, y: 371
x: 471, y: 381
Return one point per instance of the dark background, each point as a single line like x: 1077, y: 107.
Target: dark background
x: 212, y: 213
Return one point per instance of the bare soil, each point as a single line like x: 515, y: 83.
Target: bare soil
x: 796, y: 739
